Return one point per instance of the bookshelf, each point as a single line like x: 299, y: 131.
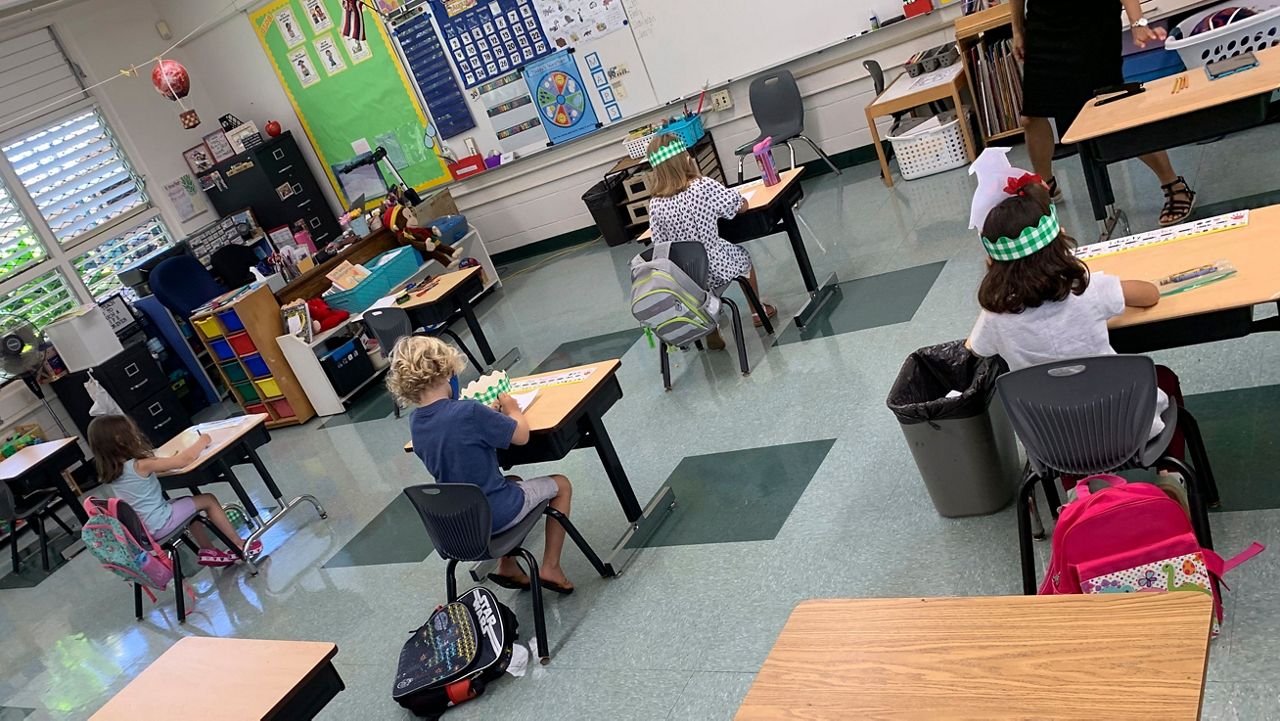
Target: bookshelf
x: 985, y: 40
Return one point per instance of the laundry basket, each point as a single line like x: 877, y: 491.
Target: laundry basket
x: 925, y: 152
x: 1248, y: 35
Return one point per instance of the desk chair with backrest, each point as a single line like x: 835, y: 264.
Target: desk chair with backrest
x: 691, y: 257
x: 389, y: 325
x: 182, y: 284
x: 460, y: 523
x: 32, y: 509
x: 877, y: 83
x: 1093, y: 415
x: 778, y: 109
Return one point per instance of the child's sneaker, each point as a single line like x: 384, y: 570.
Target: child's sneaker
x: 215, y: 558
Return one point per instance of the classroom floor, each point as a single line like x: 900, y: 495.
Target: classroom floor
x: 793, y: 483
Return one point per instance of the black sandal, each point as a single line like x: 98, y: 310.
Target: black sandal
x: 555, y: 587
x: 1177, y: 210
x: 509, y: 582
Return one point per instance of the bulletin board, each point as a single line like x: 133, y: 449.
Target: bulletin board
x: 347, y: 92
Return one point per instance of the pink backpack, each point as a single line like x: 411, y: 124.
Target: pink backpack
x: 1128, y: 538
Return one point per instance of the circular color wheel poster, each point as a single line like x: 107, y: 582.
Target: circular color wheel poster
x: 563, y: 105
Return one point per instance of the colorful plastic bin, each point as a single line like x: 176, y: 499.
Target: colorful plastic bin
x: 281, y: 408
x: 242, y: 344
x: 209, y: 327
x: 255, y: 409
x: 222, y: 349
x: 231, y: 321
x: 235, y: 372
x: 257, y: 367
x: 247, y: 392
x: 268, y: 387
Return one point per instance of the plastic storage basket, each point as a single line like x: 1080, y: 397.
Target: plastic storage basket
x: 1250, y: 34
x: 403, y: 264
x: 931, y: 151
x: 689, y: 129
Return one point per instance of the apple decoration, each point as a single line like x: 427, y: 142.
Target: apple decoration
x: 273, y: 128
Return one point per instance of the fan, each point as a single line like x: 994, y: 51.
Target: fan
x: 23, y: 352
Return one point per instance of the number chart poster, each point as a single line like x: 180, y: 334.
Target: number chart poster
x: 561, y: 98
x: 345, y: 91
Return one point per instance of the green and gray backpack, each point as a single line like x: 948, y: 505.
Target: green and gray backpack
x: 667, y: 301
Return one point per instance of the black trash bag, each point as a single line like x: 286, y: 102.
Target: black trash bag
x: 919, y: 395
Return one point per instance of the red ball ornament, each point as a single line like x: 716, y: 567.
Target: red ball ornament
x: 171, y: 79
x: 273, y: 128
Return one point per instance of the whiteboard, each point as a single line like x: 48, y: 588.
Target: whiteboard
x: 688, y: 44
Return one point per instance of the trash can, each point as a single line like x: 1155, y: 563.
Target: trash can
x: 963, y: 443
x: 602, y: 202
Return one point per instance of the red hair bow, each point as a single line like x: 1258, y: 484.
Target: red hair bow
x: 1015, y: 185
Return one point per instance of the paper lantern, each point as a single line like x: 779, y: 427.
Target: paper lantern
x: 171, y: 79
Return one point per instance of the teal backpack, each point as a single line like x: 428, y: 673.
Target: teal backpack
x: 111, y: 534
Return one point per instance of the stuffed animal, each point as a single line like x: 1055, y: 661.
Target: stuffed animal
x: 323, y: 316
x: 399, y: 220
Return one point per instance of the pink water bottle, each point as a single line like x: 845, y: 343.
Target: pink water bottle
x: 764, y: 156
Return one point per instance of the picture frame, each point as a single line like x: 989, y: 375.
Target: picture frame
x: 281, y: 237
x: 237, y: 136
x: 219, y: 148
x: 198, y: 158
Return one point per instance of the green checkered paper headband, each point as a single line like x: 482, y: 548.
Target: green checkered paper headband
x: 1028, y: 241
x: 667, y: 152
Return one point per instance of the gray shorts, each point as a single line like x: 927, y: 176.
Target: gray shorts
x: 536, y: 491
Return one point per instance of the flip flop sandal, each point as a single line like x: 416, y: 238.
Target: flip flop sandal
x: 509, y: 582
x: 557, y: 588
x: 768, y: 310
x: 1177, y: 209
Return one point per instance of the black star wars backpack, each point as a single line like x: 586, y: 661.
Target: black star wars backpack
x: 461, y: 648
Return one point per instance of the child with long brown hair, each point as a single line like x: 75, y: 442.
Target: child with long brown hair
x: 126, y: 460
x: 686, y: 207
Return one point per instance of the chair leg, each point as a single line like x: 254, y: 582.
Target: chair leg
x: 793, y: 154
x: 1195, y: 498
x: 178, y: 600
x: 741, y: 158
x: 397, y: 407
x: 1026, y: 495
x: 465, y: 350
x: 539, y: 619
x: 44, y: 541
x: 664, y: 358
x: 137, y: 601
x: 698, y: 344
x: 821, y: 154
x: 13, y: 546
x: 737, y: 336
x: 1050, y: 485
x: 580, y: 542
x: 61, y: 523
x: 757, y: 306
x: 451, y: 582
x: 1199, y: 456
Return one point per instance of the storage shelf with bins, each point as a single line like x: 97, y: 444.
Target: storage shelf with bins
x: 241, y: 338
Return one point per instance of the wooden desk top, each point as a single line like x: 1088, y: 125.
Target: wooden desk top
x: 222, y: 439
x: 27, y: 459
x: 907, y: 92
x: 1252, y: 249
x: 762, y: 197
x: 1137, y: 656
x: 217, y: 679
x: 447, y: 284
x: 1158, y: 103
x: 556, y: 403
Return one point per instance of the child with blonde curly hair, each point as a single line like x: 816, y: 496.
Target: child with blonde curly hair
x: 458, y: 441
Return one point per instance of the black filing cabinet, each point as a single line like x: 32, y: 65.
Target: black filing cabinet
x: 136, y: 382
x: 275, y: 181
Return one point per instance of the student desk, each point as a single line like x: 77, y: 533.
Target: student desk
x: 1158, y: 120
x: 1133, y: 656
x: 571, y: 416
x: 451, y: 294
x: 41, y: 466
x: 771, y: 210
x: 906, y: 93
x: 232, y: 444
x: 230, y: 679
x: 1218, y: 311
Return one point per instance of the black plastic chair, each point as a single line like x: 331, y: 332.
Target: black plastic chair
x: 778, y: 109
x: 1093, y: 415
x: 389, y: 325
x: 877, y: 82
x: 460, y: 523
x: 691, y: 257
x: 32, y: 508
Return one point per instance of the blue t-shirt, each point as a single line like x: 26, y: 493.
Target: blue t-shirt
x: 458, y: 442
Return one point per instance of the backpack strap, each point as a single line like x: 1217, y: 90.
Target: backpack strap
x: 1219, y: 567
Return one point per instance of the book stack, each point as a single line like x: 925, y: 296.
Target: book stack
x: 998, y: 80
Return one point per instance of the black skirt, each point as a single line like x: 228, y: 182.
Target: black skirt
x: 1073, y: 47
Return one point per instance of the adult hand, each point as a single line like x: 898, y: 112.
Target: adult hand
x: 1019, y: 47
x: 1142, y: 36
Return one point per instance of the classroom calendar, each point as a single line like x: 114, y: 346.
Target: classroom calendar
x: 493, y: 38
x: 1216, y: 224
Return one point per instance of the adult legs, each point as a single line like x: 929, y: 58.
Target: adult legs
x: 1040, y: 140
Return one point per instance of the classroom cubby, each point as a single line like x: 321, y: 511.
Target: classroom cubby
x: 241, y: 333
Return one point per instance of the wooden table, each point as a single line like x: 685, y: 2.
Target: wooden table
x: 1157, y: 119
x: 906, y: 92
x: 313, y: 283
x: 444, y: 302
x: 1218, y: 311
x: 230, y: 679
x: 1131, y: 656
x: 571, y: 416
x: 231, y: 445
x: 41, y: 466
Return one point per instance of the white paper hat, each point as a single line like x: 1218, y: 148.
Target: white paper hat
x: 993, y: 171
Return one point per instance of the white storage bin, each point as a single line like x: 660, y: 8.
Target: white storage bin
x: 1249, y: 35
x: 922, y: 153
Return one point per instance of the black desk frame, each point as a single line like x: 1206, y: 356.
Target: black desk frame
x: 48, y: 474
